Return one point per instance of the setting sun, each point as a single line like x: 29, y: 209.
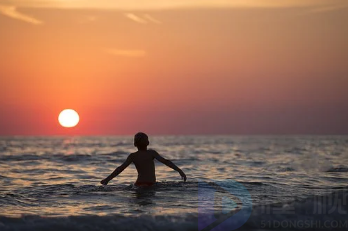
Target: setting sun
x: 68, y: 118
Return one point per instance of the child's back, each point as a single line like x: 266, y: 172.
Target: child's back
x: 144, y: 162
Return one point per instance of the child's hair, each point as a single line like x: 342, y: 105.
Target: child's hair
x: 141, y: 140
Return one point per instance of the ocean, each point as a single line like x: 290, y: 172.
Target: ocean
x: 245, y: 182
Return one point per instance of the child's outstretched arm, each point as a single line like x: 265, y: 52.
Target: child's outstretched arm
x: 117, y: 171
x: 169, y: 164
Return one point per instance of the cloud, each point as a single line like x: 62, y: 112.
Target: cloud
x: 135, y: 18
x: 11, y: 11
x: 329, y: 8
x: 126, y: 53
x: 132, y: 5
x: 146, y: 18
x: 152, y: 19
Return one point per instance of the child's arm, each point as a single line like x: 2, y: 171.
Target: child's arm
x: 169, y: 164
x: 117, y: 171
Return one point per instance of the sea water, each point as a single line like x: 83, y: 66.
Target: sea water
x: 52, y: 183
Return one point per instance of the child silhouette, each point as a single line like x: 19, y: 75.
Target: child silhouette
x: 143, y: 160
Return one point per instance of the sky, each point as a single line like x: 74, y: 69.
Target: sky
x: 174, y: 67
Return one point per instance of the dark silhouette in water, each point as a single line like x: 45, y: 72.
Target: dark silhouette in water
x: 143, y: 160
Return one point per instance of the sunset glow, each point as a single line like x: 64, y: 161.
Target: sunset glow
x: 174, y: 67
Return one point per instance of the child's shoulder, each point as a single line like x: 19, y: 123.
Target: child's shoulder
x: 149, y: 151
x: 137, y: 152
x: 152, y: 150
x: 132, y: 154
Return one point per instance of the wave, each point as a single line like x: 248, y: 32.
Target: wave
x: 100, y: 223
x: 316, y: 212
x: 23, y: 157
x: 286, y: 169
x: 338, y: 169
x: 75, y: 157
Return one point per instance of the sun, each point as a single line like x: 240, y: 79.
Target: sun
x: 68, y: 118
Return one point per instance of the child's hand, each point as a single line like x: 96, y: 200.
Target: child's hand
x: 104, y: 182
x: 183, y: 176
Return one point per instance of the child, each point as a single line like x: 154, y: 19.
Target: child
x: 143, y: 160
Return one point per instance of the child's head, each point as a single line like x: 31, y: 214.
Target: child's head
x: 141, y: 140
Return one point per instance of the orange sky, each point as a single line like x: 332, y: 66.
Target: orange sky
x: 182, y: 67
